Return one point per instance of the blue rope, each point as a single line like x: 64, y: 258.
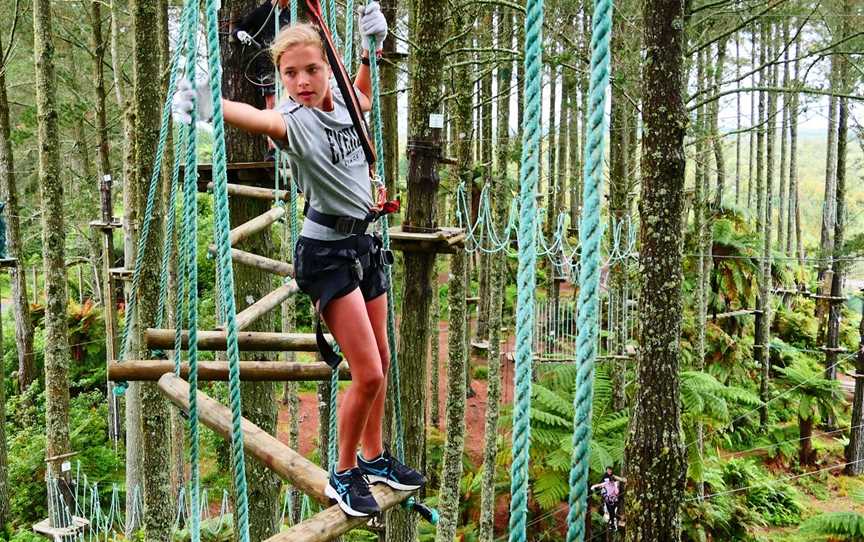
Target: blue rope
x: 526, y: 279
x: 226, y: 272
x: 591, y: 235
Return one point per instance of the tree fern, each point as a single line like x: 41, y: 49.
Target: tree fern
x: 836, y: 525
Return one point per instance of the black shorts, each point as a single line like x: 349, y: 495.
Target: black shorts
x: 327, y: 270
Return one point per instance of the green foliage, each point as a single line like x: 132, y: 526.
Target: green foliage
x: 836, y: 526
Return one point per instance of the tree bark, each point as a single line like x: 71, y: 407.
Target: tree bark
x: 785, y: 112
x: 56, y: 349
x: 451, y: 470
x: 716, y: 139
x: 655, y: 453
x: 18, y: 275
x: 435, y: 358
x: 389, y: 107
x: 855, y: 448
x: 427, y: 30
x: 826, y: 243
x: 146, y: 103
x: 758, y: 344
x: 98, y: 45
x: 806, y: 454
x: 4, y: 463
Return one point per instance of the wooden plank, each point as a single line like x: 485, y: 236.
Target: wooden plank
x: 258, y: 262
x: 253, y: 312
x: 250, y: 371
x: 443, y: 241
x: 288, y: 464
x: 248, y: 340
x: 256, y: 192
x: 332, y: 522
x: 257, y: 224
x: 742, y: 312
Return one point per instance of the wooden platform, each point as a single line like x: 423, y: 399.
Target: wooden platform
x: 285, y: 462
x: 261, y: 174
x: 443, y: 241
x: 100, y: 225
x: 121, y: 273
x: 250, y: 371
x: 79, y: 526
x: 8, y: 262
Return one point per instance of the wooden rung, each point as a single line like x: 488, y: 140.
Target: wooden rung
x: 253, y: 192
x: 253, y: 312
x: 250, y: 371
x: 258, y: 262
x: 78, y: 526
x: 8, y: 262
x: 742, y: 312
x: 248, y: 340
x: 332, y: 522
x: 839, y: 350
x: 288, y: 464
x: 257, y: 224
x: 830, y: 298
x: 472, y: 300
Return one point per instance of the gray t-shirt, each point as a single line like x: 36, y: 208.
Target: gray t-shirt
x: 327, y: 162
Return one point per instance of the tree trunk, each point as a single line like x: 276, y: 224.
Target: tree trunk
x: 758, y: 344
x: 655, y: 453
x: 486, y: 99
x: 716, y: 139
x: 766, y: 277
x: 451, y: 470
x: 389, y: 109
x: 754, y: 122
x: 792, y: 222
x: 427, y: 30
x: 785, y: 112
x: 18, y: 276
x: 4, y: 464
x: 98, y: 45
x: 826, y: 244
x: 855, y: 448
x: 56, y: 350
x: 435, y: 361
x: 806, y: 454
x: 738, y: 118
x: 147, y: 101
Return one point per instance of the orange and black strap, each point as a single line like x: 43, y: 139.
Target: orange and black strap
x: 343, y: 80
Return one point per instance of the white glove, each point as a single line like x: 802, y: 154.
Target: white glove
x: 185, y: 98
x: 372, y: 24
x: 244, y: 37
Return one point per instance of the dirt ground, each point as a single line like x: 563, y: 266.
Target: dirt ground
x: 475, y: 407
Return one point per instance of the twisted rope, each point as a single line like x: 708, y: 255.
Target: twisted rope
x: 394, y: 380
x: 591, y: 234
x: 226, y: 272
x: 525, y: 277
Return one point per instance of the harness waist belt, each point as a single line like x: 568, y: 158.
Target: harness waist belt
x: 345, y: 225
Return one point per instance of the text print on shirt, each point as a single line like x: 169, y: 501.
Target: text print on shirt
x: 344, y: 145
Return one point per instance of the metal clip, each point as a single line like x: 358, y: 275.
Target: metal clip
x: 358, y: 269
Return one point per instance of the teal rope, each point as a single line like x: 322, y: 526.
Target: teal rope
x: 293, y: 14
x: 223, y: 244
x: 394, y: 381
x: 348, y: 55
x: 330, y: 17
x: 526, y: 279
x: 332, y: 429
x: 591, y: 234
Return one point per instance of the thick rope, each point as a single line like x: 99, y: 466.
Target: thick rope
x: 526, y: 279
x: 394, y: 379
x: 591, y: 234
x: 226, y: 272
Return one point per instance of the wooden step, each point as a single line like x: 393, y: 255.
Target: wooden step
x: 250, y: 371
x: 257, y: 224
x: 441, y: 241
x: 248, y: 340
x: 253, y: 312
x: 258, y: 262
x: 285, y: 462
x: 253, y: 192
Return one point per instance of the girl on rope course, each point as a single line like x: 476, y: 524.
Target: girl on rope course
x: 339, y: 265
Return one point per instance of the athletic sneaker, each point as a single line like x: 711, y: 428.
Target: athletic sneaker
x: 350, y: 491
x: 387, y: 470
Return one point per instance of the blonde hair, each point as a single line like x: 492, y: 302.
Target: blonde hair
x: 291, y: 36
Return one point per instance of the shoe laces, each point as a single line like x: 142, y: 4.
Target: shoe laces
x: 358, y: 482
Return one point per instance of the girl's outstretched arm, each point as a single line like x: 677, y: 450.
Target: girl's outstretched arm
x: 267, y: 122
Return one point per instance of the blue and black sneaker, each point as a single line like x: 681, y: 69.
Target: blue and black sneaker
x: 350, y: 491
x: 385, y: 469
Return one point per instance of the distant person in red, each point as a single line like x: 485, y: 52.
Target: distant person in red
x: 257, y: 29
